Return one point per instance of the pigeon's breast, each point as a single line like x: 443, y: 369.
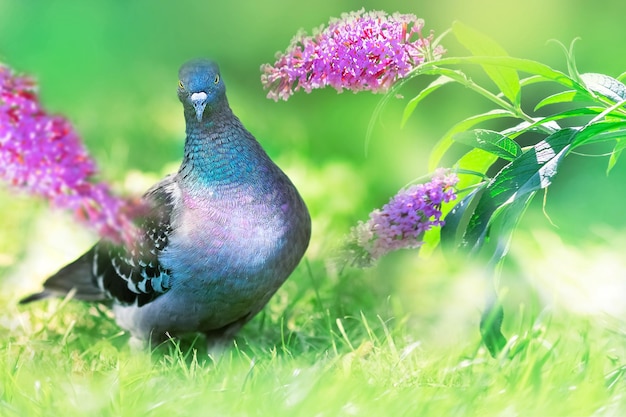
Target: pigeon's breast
x: 219, y: 238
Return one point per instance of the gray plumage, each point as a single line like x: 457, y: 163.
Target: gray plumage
x: 222, y: 235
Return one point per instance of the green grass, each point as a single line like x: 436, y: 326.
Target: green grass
x: 360, y: 343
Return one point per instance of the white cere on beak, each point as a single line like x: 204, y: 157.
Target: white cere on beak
x: 198, y: 96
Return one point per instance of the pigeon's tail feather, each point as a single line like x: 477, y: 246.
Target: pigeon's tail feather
x: 36, y: 297
x: 75, y: 277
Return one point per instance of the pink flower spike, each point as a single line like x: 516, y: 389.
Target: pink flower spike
x: 43, y: 155
x: 360, y: 51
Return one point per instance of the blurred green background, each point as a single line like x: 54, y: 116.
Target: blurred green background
x: 111, y: 68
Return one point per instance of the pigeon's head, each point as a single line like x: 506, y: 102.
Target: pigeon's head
x: 200, y: 86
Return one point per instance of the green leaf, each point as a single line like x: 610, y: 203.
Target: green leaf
x: 549, y: 121
x: 615, y: 154
x: 562, y: 97
x: 506, y: 79
x: 570, y: 58
x: 491, y: 327
x: 539, y: 125
x: 410, y: 107
x: 600, y: 132
x: 432, y: 237
x: 476, y: 160
x: 604, y: 85
x: 456, y: 220
x: 442, y: 146
x: 520, y: 64
x: 528, y: 173
x: 533, y: 79
x: 490, y: 141
x: 493, y: 316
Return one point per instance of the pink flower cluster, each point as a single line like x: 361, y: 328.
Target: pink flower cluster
x: 360, y: 51
x: 42, y: 155
x: 401, y: 223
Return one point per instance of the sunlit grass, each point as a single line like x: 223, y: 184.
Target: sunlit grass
x: 399, y: 339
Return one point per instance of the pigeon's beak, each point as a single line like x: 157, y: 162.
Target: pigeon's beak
x: 199, y: 103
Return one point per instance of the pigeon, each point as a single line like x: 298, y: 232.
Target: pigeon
x: 220, y: 236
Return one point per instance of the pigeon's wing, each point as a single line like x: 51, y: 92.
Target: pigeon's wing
x: 126, y: 274
x: 134, y: 274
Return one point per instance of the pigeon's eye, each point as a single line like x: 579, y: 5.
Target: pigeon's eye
x: 217, y: 78
x: 181, y: 85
